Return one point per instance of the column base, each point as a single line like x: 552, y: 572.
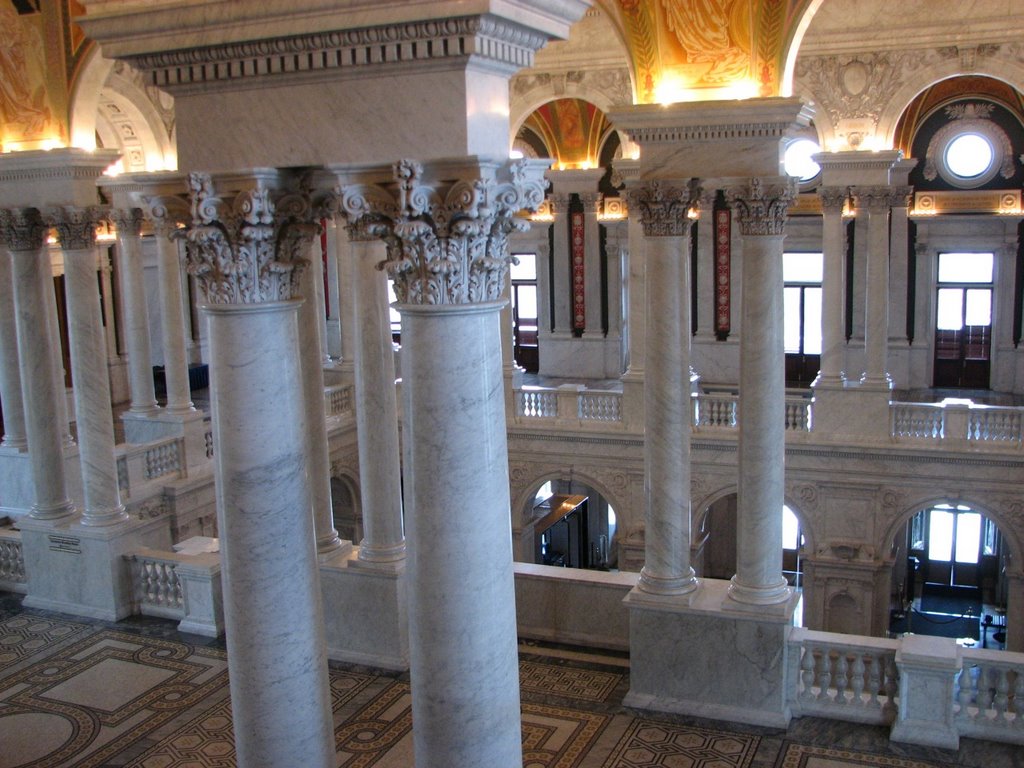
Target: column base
x: 742, y: 595
x: 331, y: 548
x: 750, y: 687
x: 659, y: 585
x: 382, y: 555
x: 378, y: 596
x: 829, y: 381
x: 876, y: 382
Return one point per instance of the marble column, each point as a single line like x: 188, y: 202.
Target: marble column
x: 337, y: 240
x: 76, y: 233
x: 592, y: 263
x: 24, y: 234
x: 876, y: 201
x: 172, y: 326
x: 107, y: 305
x: 273, y: 616
x: 54, y: 344
x: 705, y: 277
x: 898, y: 252
x: 334, y: 346
x: 561, y: 257
x: 380, y: 479
x: 10, y: 379
x: 662, y: 210
x: 136, y: 315
x: 833, y: 320
x: 761, y: 209
x: 319, y: 299
x: 311, y: 365
x: 462, y: 623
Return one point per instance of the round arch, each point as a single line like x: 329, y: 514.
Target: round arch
x: 796, y: 38
x: 85, y: 98
x: 528, y: 491
x: 522, y: 110
x: 346, y: 505
x: 700, y: 511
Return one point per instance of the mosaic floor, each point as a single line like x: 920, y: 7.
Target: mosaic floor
x: 89, y: 694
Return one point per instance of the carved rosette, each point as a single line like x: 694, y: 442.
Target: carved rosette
x: 22, y: 229
x: 663, y: 209
x: 761, y: 208
x: 250, y: 249
x: 833, y: 199
x: 75, y: 225
x: 447, y: 243
x: 127, y: 220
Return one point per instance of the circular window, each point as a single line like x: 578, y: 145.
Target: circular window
x: 969, y: 155
x: 798, y: 159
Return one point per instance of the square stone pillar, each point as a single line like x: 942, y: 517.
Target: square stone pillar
x: 928, y: 667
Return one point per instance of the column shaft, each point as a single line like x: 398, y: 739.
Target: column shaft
x: 592, y: 264
x: 318, y: 298
x: 833, y: 328
x: 136, y: 315
x: 172, y: 327
x: 876, y: 307
x: 334, y: 347
x: 107, y: 305
x: 54, y: 345
x: 337, y: 239
x: 10, y: 379
x: 458, y: 481
x: 637, y: 297
x: 561, y: 258
x: 705, y: 276
x: 101, y: 495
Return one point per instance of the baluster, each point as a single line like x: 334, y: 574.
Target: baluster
x: 149, y: 583
x: 891, y: 686
x: 824, y: 675
x: 857, y: 683
x: 963, y: 694
x: 841, y: 677
x: 807, y: 674
x: 985, y: 690
x: 1002, y: 698
x: 874, y: 682
x: 1017, y: 703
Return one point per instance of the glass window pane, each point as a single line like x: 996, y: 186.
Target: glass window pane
x: 968, y: 537
x: 526, y: 302
x: 812, y: 321
x: 790, y: 529
x: 797, y: 159
x: 969, y: 155
x: 940, y: 535
x: 802, y: 267
x: 791, y: 321
x: 527, y: 267
x: 979, y: 307
x: 950, y: 312
x: 965, y: 267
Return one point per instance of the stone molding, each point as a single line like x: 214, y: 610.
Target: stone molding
x: 127, y: 220
x: 663, y: 209
x: 500, y: 44
x: 75, y: 225
x: 22, y: 230
x: 833, y: 199
x: 447, y: 241
x: 250, y: 249
x: 761, y: 208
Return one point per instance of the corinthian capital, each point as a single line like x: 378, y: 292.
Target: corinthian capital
x: 22, y: 229
x: 881, y: 198
x: 663, y: 208
x: 249, y: 248
x: 447, y: 240
x: 127, y: 220
x: 761, y: 208
x: 75, y: 225
x: 833, y: 199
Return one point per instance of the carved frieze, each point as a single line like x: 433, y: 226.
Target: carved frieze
x: 249, y: 249
x: 761, y: 208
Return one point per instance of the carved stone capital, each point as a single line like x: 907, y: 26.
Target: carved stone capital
x: 248, y: 249
x: 663, y: 209
x: 881, y: 198
x: 22, y: 229
x: 127, y: 220
x: 75, y: 225
x: 166, y: 214
x: 833, y: 199
x: 591, y: 201
x: 559, y: 203
x: 447, y: 241
x: 761, y: 208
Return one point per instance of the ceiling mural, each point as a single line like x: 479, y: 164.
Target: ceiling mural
x: 572, y: 131
x: 687, y: 50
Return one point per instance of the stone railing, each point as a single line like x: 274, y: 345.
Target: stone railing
x: 930, y: 690
x: 969, y: 424
x: 149, y: 462
x: 186, y: 588
x: 716, y: 410
x: 568, y: 406
x: 339, y: 399
x: 12, y: 562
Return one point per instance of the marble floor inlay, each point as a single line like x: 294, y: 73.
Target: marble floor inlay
x: 79, y: 693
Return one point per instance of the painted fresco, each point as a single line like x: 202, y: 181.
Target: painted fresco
x: 28, y: 117
x: 572, y: 130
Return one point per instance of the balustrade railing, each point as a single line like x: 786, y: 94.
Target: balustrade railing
x: 157, y: 588
x: 1000, y: 425
x: 989, y: 701
x: 536, y: 403
x: 164, y: 458
x: 12, y: 562
x: 925, y: 421
x: 599, y: 406
x: 716, y: 411
x: 185, y: 588
x: 339, y: 399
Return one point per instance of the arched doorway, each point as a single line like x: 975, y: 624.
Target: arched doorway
x: 949, y: 576
x: 346, y: 511
x: 572, y: 525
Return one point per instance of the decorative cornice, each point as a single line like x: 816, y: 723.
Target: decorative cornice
x: 833, y: 199
x: 127, y: 220
x: 75, y: 225
x: 22, y: 229
x: 251, y: 249
x: 496, y: 42
x: 662, y: 208
x: 761, y: 208
x: 447, y: 241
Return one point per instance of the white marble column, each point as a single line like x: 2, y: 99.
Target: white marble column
x: 334, y: 345
x: 54, y: 344
x: 592, y: 263
x: 876, y: 202
x: 337, y: 240
x: 380, y: 475
x: 280, y: 697
x: 10, y: 378
x: 462, y: 623
x: 833, y: 318
x: 172, y: 326
x: 760, y: 207
x: 136, y: 315
x: 662, y: 210
x: 561, y: 258
x: 107, y: 305
x: 318, y: 298
x: 24, y: 234
x: 76, y: 233
x: 706, y: 266
x: 898, y: 252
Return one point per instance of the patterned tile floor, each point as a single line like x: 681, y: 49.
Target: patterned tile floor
x: 78, y: 693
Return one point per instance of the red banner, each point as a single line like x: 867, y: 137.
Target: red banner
x: 723, y: 259
x: 579, y: 307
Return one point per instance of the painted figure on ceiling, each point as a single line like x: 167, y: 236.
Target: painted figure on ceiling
x: 714, y: 32
x: 23, y: 108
